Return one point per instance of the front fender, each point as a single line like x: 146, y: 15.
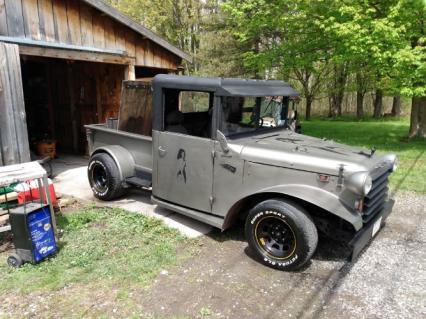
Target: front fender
x: 319, y: 197
x: 122, y: 158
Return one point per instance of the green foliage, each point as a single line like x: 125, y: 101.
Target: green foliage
x: 102, y: 246
x: 386, y: 136
x: 324, y: 48
x: 380, y: 41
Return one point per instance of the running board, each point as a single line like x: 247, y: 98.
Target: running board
x: 200, y: 216
x: 138, y: 182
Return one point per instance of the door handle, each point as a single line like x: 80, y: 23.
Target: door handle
x: 161, y: 151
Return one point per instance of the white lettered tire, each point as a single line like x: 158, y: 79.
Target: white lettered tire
x: 104, y: 177
x: 281, y: 234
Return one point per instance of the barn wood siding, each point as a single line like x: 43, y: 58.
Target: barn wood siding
x: 14, y: 146
x: 76, y: 23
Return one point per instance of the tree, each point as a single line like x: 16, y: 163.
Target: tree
x: 389, y: 36
x: 176, y: 20
x: 290, y: 45
x: 396, y: 106
x: 408, y: 76
x: 363, y: 83
x: 337, y: 91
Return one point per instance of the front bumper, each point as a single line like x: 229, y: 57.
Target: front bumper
x: 363, y: 237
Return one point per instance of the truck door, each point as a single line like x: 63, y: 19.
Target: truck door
x: 183, y: 152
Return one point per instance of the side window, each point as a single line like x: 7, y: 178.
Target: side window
x: 188, y: 112
x: 192, y: 102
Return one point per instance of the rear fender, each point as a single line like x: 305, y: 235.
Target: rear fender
x: 122, y: 158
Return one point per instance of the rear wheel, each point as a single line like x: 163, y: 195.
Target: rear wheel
x: 281, y: 234
x: 104, y: 177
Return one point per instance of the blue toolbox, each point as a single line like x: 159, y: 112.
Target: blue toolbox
x: 33, y: 233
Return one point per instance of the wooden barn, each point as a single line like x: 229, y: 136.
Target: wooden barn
x: 61, y: 67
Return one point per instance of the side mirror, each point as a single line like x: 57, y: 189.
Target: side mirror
x: 222, y: 141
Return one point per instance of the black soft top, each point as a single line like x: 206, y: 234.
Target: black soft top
x: 224, y: 86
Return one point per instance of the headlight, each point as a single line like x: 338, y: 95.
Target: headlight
x: 368, y: 184
x: 392, y: 158
x: 359, y: 183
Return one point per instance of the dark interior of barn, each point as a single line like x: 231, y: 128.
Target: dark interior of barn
x: 61, y: 96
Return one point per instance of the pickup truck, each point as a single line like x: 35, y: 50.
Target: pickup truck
x: 225, y: 150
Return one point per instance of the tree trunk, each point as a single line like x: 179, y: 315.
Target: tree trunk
x: 333, y: 109
x: 378, y: 104
x: 309, y: 100
x: 418, y: 117
x: 360, y: 93
x: 396, y: 106
x: 338, y: 92
x: 359, y: 104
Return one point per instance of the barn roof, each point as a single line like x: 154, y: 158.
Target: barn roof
x: 122, y: 18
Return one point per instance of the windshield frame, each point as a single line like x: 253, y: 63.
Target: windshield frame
x: 218, y: 109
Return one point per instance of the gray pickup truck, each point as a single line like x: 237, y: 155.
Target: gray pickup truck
x: 225, y: 150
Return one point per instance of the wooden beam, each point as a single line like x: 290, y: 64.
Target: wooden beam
x: 61, y: 46
x: 130, y: 72
x: 74, y: 55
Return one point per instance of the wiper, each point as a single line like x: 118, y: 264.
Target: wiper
x: 263, y: 137
x: 372, y: 151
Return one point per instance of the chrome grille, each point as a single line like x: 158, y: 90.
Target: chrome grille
x: 375, y: 199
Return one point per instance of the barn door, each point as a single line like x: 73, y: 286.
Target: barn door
x: 14, y: 147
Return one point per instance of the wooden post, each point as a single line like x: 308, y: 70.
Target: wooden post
x: 50, y: 100
x: 129, y: 72
x: 73, y: 112
x: 99, y: 110
x: 14, y: 146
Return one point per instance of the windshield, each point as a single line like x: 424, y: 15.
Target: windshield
x: 250, y: 114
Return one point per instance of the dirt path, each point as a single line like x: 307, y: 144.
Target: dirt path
x: 388, y: 280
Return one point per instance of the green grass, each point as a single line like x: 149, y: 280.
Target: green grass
x: 388, y: 135
x: 101, y: 246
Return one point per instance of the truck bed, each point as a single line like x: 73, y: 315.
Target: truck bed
x: 139, y: 146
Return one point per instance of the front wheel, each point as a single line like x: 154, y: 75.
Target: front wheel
x: 281, y: 234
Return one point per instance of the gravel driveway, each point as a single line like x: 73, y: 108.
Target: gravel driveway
x: 223, y: 281
x: 387, y: 281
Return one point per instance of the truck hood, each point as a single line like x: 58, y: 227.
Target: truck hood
x: 288, y: 149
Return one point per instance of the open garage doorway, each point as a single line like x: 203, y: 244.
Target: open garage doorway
x: 62, y: 96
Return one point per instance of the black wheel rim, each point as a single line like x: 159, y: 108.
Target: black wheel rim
x: 100, y: 178
x: 275, y: 237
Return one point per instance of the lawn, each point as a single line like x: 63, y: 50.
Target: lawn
x: 388, y: 135
x: 103, y: 252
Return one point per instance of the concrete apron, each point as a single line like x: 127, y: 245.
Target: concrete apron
x: 71, y: 180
